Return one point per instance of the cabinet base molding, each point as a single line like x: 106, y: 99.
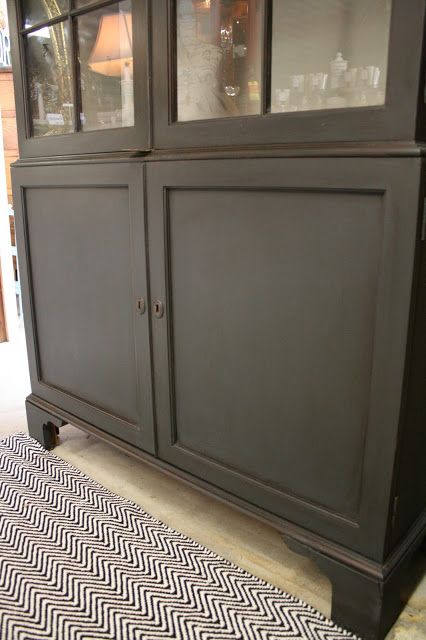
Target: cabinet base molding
x: 368, y: 596
x: 43, y: 426
x: 389, y: 149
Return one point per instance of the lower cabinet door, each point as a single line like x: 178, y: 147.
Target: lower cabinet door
x: 82, y: 259
x: 281, y: 293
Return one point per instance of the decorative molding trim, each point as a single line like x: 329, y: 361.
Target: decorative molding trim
x: 391, y: 149
x: 305, y: 542
x: 297, y: 538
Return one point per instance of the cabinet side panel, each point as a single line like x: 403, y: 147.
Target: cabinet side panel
x: 411, y: 480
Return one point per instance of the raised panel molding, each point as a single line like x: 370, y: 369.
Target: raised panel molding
x: 317, y: 337
x: 78, y: 321
x: 238, y: 398
x: 83, y: 264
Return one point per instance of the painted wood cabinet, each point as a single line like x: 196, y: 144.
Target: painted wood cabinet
x: 86, y: 271
x: 222, y: 245
x: 281, y: 306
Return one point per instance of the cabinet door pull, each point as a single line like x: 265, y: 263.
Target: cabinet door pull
x: 141, y: 306
x: 158, y: 309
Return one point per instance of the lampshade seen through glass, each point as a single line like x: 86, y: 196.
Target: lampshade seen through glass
x: 113, y: 47
x: 106, y: 67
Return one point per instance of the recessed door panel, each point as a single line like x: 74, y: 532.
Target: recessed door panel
x: 85, y: 240
x: 275, y: 359
x: 273, y: 302
x: 81, y: 266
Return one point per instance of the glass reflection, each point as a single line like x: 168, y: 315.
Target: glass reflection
x: 82, y: 3
x: 106, y: 67
x: 218, y: 58
x: 50, y: 83
x: 332, y: 56
x: 35, y: 11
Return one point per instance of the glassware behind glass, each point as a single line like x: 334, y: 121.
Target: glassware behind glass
x: 106, y: 67
x: 219, y: 44
x: 333, y: 55
x: 34, y: 11
x: 50, y: 81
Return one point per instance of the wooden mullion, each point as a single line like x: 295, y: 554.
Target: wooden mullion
x: 92, y: 7
x: 66, y: 14
x: 172, y: 57
x: 76, y: 97
x: 44, y: 23
x: 22, y: 43
x: 267, y: 58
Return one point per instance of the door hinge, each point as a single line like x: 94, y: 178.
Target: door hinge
x: 394, y: 510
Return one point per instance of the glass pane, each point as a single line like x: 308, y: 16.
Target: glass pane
x: 332, y: 55
x: 34, y: 11
x: 50, y: 81
x: 106, y: 67
x: 219, y: 58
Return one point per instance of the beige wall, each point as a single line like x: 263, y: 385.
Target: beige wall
x: 7, y: 107
x: 10, y: 135
x: 10, y: 152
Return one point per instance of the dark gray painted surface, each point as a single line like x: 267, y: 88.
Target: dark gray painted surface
x: 410, y: 480
x: 274, y: 296
x: 82, y: 294
x: 84, y: 230
x: 285, y: 394
x: 228, y: 239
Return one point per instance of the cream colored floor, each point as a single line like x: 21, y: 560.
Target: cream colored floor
x: 239, y: 538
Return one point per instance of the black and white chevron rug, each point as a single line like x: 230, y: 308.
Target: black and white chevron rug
x: 78, y: 562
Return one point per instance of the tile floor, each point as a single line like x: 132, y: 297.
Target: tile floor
x: 241, y: 539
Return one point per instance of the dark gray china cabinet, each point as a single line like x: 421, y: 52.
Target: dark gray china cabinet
x: 220, y: 209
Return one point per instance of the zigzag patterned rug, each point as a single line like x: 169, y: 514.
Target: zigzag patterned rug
x: 78, y: 562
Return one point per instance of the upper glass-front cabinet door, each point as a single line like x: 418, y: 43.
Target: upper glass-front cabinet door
x: 80, y: 77
x: 297, y: 55
x: 280, y: 71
